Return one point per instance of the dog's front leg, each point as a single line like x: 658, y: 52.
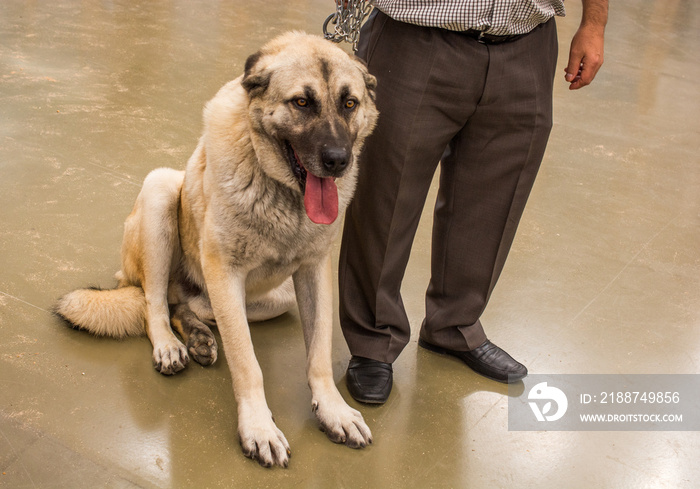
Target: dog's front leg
x: 259, y: 436
x: 314, y: 288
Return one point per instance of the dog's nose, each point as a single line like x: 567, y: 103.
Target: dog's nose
x: 335, y: 159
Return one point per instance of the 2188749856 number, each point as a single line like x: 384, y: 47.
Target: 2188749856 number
x: 639, y: 397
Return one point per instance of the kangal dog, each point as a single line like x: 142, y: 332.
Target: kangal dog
x: 246, y: 231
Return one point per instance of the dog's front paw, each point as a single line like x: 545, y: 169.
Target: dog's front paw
x: 342, y: 423
x: 261, y: 440
x: 202, y: 347
x: 169, y: 358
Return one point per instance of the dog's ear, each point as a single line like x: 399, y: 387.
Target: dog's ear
x: 255, y: 80
x: 370, y: 80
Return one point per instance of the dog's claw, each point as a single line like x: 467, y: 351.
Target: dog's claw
x: 342, y: 424
x: 262, y: 441
x: 170, y: 359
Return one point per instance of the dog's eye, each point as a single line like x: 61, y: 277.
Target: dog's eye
x: 350, y: 104
x: 301, y: 102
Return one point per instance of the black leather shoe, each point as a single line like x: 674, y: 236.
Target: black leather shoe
x: 487, y: 360
x: 369, y: 381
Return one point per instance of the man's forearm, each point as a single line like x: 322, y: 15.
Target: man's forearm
x: 595, y: 13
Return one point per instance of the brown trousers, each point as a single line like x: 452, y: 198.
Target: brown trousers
x: 491, y: 107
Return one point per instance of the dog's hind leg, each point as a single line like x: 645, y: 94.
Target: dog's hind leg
x: 149, y: 251
x: 199, y: 339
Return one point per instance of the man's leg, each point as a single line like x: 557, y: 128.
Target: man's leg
x: 484, y: 185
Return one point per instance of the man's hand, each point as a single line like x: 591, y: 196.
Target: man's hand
x: 586, y: 53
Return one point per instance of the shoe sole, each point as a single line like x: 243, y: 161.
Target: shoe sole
x: 443, y: 351
x: 369, y: 401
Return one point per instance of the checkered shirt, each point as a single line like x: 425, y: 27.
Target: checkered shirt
x: 495, y: 17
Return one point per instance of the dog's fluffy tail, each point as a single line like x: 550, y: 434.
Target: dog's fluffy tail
x: 116, y: 313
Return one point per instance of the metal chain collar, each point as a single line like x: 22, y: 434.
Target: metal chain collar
x: 347, y: 19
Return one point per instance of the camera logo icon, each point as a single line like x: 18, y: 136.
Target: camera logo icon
x: 543, y: 392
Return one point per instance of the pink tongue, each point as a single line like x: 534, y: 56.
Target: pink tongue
x: 321, y: 199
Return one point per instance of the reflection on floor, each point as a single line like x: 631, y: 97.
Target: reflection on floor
x: 604, y: 276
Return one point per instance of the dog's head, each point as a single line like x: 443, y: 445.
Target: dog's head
x: 312, y: 105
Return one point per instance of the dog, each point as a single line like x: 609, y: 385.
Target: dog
x: 245, y: 232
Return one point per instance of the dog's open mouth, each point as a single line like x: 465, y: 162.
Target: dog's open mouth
x: 320, y: 194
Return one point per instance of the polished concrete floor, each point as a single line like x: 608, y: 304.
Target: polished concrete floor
x: 604, y: 276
